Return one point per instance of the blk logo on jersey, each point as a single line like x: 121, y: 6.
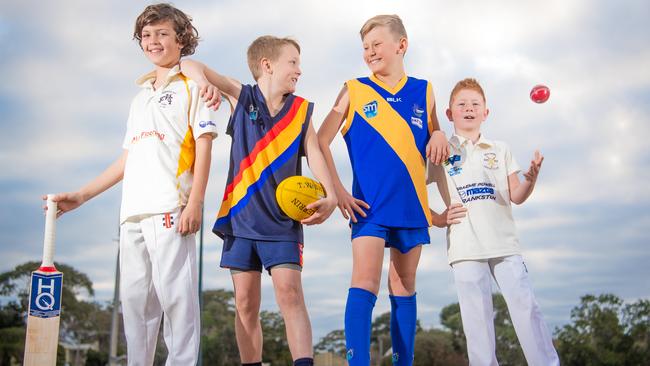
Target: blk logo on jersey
x: 168, y: 221
x: 166, y: 99
x: 370, y: 109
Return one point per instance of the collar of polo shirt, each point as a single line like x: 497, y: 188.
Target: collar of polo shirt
x: 460, y: 141
x: 147, y: 80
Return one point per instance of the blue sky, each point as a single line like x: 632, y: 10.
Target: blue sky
x: 69, y: 69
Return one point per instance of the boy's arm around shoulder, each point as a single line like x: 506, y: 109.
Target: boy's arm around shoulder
x: 70, y: 200
x: 328, y: 130
x: 204, y: 76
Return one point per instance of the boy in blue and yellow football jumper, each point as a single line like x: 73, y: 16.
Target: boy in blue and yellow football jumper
x: 390, y: 129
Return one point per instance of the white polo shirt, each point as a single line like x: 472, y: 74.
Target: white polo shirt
x: 160, y: 136
x: 476, y: 175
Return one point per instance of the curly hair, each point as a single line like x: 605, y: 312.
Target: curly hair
x: 186, y: 34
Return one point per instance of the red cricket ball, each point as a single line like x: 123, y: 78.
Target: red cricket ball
x: 540, y: 93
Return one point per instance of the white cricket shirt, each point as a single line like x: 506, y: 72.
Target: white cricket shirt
x: 476, y: 175
x: 160, y: 136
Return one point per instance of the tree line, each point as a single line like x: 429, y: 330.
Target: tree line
x: 603, y: 329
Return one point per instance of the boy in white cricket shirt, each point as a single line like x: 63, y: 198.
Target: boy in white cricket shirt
x: 165, y: 165
x: 477, y: 184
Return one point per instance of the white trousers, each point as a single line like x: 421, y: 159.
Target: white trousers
x: 158, y: 275
x: 474, y: 287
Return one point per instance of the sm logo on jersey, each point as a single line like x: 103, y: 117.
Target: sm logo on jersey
x: 370, y: 109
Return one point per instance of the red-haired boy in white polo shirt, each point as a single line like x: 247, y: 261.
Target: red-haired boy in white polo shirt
x: 477, y: 183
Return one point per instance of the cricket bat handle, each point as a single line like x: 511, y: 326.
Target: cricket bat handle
x: 50, y: 234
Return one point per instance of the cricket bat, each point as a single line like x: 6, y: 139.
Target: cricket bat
x: 43, y: 318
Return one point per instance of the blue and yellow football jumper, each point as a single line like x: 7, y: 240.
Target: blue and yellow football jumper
x: 386, y: 132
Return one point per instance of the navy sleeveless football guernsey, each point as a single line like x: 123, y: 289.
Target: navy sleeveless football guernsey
x: 265, y: 150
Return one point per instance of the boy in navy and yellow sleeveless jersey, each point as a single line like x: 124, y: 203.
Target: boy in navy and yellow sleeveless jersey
x: 271, y: 130
x: 390, y: 129
x: 252, y: 181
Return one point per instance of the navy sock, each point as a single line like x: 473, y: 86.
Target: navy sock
x: 306, y: 361
x: 358, y: 324
x: 403, y: 318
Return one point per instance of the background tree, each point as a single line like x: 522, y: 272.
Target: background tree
x: 508, y: 349
x: 12, y: 333
x: 605, y: 331
x: 380, y: 341
x: 333, y: 341
x: 16, y: 283
x: 276, y: 348
x: 435, y: 347
x: 218, y: 341
x: 450, y: 320
x: 636, y: 319
x: 81, y: 321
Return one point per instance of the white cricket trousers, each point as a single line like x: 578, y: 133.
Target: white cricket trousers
x: 158, y: 275
x: 474, y: 287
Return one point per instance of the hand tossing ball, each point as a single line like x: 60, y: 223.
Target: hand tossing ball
x: 295, y: 193
x: 540, y: 93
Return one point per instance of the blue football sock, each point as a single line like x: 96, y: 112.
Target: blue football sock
x: 403, y: 318
x: 306, y: 361
x: 358, y: 323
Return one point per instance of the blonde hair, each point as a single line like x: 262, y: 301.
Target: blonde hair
x: 266, y: 47
x: 391, y: 21
x: 468, y: 83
